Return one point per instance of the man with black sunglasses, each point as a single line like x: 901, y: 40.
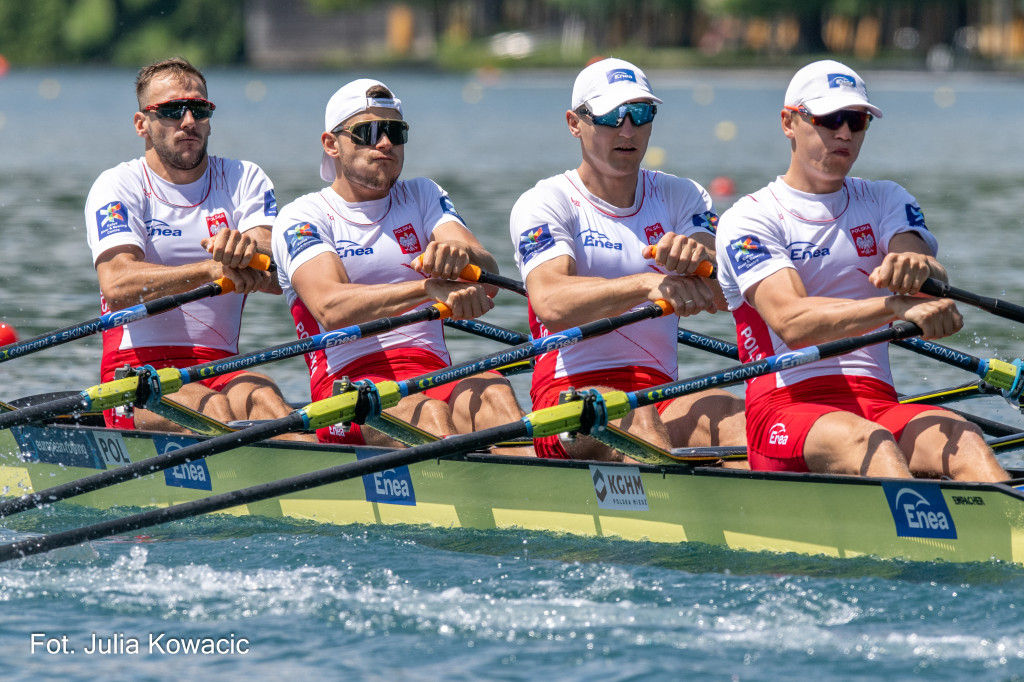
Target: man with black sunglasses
x: 817, y: 256
x: 169, y: 222
x: 369, y: 246
x: 607, y: 237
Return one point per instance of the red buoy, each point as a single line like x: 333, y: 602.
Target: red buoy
x: 8, y: 334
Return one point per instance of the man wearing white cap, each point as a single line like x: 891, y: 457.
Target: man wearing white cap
x: 584, y: 245
x: 817, y: 256
x: 371, y: 246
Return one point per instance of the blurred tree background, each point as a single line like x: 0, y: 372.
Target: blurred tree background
x: 464, y: 34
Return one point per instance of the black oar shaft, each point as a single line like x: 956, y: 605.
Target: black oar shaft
x: 109, y: 477
x: 1010, y: 311
x: 371, y: 465
x: 488, y: 331
x: 52, y: 408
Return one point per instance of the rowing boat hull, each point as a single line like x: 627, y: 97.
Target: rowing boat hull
x: 802, y: 513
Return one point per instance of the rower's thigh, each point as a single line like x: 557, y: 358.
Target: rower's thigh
x: 843, y: 443
x: 713, y: 417
x: 425, y: 412
x: 941, y: 443
x: 202, y: 399
x: 483, y: 401
x: 255, y: 396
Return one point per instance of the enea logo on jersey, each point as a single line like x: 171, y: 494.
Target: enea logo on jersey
x: 300, y: 237
x: 919, y: 510
x: 534, y: 241
x: 448, y: 207
x: 393, y: 486
x: 915, y: 217
x: 708, y: 220
x: 806, y: 251
x: 595, y: 238
x: 654, y: 233
x: 350, y: 249
x: 158, y: 228
x: 407, y: 239
x: 269, y: 204
x: 111, y: 219
x: 746, y: 252
x: 217, y: 222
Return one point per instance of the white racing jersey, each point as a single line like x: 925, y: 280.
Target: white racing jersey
x: 560, y: 217
x: 833, y: 241
x: 131, y: 205
x: 376, y: 241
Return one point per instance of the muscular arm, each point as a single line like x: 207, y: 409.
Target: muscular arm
x: 563, y: 299
x: 802, y: 320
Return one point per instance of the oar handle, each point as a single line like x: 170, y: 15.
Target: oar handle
x: 473, y: 273
x: 705, y: 268
x: 1010, y: 311
x: 262, y: 261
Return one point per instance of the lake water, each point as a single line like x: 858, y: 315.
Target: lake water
x: 384, y: 603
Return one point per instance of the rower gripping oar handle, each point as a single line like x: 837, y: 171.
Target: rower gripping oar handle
x: 705, y: 268
x: 260, y: 261
x: 1010, y: 311
x: 473, y: 273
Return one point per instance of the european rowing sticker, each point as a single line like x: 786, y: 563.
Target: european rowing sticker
x: 915, y: 217
x: 407, y: 239
x: 746, y: 252
x: 708, y: 220
x: 448, y: 207
x: 919, y: 510
x: 111, y: 219
x: 393, y: 486
x: 619, y: 488
x: 65, y: 447
x: 534, y: 241
x: 864, y: 240
x: 269, y: 204
x: 300, y: 237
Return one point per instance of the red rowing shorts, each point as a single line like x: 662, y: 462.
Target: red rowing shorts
x: 160, y: 357
x: 619, y: 379
x: 394, y: 364
x: 779, y: 420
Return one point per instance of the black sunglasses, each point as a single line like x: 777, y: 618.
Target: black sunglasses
x: 370, y: 132
x: 641, y: 113
x: 175, y: 109
x: 857, y: 120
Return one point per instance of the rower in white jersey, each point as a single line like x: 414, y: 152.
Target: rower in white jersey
x: 812, y: 258
x: 371, y: 246
x: 168, y: 222
x: 585, y: 247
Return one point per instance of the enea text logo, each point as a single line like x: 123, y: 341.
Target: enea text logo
x: 349, y: 249
x: 617, y: 75
x: 194, y: 475
x: 112, y: 218
x: 595, y: 238
x: 393, y: 486
x: 806, y: 251
x: 841, y: 80
x: 746, y: 252
x: 158, y: 228
x: 919, y: 510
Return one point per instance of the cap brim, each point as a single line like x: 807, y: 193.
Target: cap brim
x: 826, y: 105
x: 327, y: 173
x: 602, y: 104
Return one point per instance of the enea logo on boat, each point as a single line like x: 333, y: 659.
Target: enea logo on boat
x: 534, y: 241
x: 194, y: 475
x: 707, y: 220
x: 919, y: 510
x: 746, y: 252
x: 393, y: 486
x: 619, y: 488
x: 111, y: 219
x: 915, y: 216
x: 300, y: 237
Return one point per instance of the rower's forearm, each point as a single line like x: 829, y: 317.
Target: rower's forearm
x: 348, y: 304
x: 141, y: 282
x: 578, y: 300
x: 819, y: 320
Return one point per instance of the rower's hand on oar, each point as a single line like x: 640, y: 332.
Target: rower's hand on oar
x: 687, y: 295
x: 678, y: 254
x: 444, y: 259
x: 231, y: 248
x: 902, y: 273
x: 465, y: 300
x: 937, y: 317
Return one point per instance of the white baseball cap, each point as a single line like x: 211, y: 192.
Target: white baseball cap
x: 349, y: 100
x: 606, y: 84
x: 827, y: 86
